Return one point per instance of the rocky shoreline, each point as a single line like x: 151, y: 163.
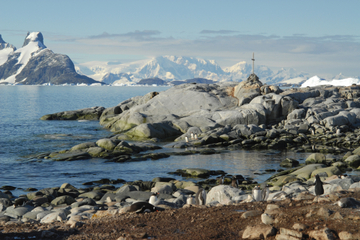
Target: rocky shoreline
x: 74, y: 208
x: 208, y: 119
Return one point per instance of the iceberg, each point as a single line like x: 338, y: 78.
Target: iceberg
x: 316, y: 81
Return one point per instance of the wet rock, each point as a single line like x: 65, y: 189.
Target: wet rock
x: 92, y: 113
x: 288, y: 162
x: 70, y: 156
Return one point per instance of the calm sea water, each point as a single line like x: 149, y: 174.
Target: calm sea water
x: 23, y: 135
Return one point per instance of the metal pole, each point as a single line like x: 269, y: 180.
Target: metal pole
x: 253, y: 59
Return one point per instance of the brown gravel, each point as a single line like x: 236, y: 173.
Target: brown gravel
x: 223, y: 222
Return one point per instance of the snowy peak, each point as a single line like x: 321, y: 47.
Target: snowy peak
x: 33, y: 63
x: 240, y: 66
x: 34, y: 37
x: 4, y: 44
x: 179, y: 68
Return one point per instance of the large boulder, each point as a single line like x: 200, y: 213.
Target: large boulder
x: 223, y: 194
x: 170, y: 113
x: 245, y: 91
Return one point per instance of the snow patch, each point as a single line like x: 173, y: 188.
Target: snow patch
x: 316, y: 81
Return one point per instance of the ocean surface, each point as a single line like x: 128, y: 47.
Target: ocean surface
x: 23, y: 135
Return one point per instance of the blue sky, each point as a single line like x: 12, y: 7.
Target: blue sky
x: 318, y: 37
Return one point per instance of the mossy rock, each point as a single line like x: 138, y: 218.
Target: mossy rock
x: 328, y: 170
x: 197, y: 172
x: 316, y: 158
x: 95, y: 151
x: 288, y: 162
x: 353, y: 161
x: 305, y: 172
x: 356, y: 151
x: 282, y: 180
x: 107, y: 144
x: 184, y: 184
x: 81, y: 146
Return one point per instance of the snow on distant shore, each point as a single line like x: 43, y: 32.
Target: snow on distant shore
x: 316, y: 81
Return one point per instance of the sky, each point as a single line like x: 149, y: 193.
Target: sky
x: 317, y: 37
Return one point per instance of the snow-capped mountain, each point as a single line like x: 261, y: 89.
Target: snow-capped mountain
x: 34, y: 63
x: 170, y: 68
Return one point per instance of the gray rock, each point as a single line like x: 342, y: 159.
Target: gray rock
x: 41, y: 215
x: 18, y: 211
x: 92, y: 113
x: 343, y: 183
x: 71, y: 156
x: 296, y: 114
x: 96, y: 195
x: 85, y: 201
x: 223, y: 194
x: 68, y: 200
x: 5, y: 202
x: 127, y: 188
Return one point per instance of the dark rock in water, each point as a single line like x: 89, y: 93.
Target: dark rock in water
x: 72, y: 156
x: 117, y: 181
x: 197, y: 172
x: 163, y: 179
x: 155, y: 156
x: 88, y: 183
x: 288, y: 162
x: 6, y: 187
x: 208, y: 151
x: 103, y: 181
x: 92, y: 113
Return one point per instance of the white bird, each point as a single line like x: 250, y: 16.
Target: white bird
x: 201, y: 197
x: 190, y: 200
x: 192, y: 135
x: 256, y: 193
x: 195, y: 136
x: 186, y: 139
x: 154, y: 199
x: 265, y: 192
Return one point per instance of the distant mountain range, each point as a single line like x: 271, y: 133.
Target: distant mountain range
x: 179, y: 68
x: 34, y: 63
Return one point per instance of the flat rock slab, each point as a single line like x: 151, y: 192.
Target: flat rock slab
x: 72, y: 156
